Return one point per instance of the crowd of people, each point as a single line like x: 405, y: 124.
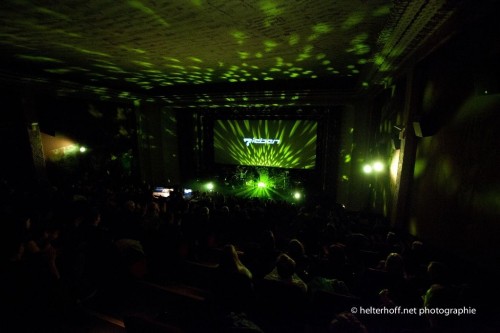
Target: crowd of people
x: 279, y: 266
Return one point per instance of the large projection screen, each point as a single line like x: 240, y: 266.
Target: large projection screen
x: 289, y: 144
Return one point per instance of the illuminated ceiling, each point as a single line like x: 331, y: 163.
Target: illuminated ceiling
x: 163, y: 49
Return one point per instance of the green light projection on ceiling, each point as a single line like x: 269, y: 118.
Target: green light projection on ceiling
x: 318, y: 30
x: 175, y: 66
x: 133, y: 49
x: 306, y: 53
x: 171, y: 59
x: 322, y: 28
x: 198, y: 60
x: 243, y: 55
x: 197, y: 3
x: 32, y: 26
x: 240, y: 36
x: 256, y: 56
x: 48, y: 12
x: 381, y: 62
x: 146, y: 10
x: 111, y: 68
x: 359, y: 45
x: 270, y: 45
x: 143, y: 63
x: 194, y: 74
x: 58, y: 70
x: 85, y: 51
x: 293, y: 39
x: 270, y: 9
x: 38, y: 58
x: 353, y: 20
x: 382, y: 11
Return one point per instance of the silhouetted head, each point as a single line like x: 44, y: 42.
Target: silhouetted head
x: 296, y: 249
x: 229, y: 259
x: 336, y: 254
x: 442, y: 297
x: 268, y: 241
x: 394, y: 264
x: 346, y: 322
x: 417, y: 246
x: 391, y: 238
x: 285, y: 266
x: 437, y: 272
x: 204, y: 211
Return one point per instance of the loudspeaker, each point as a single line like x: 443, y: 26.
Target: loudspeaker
x: 418, y: 129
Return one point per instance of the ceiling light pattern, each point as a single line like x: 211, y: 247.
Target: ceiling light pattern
x: 149, y: 44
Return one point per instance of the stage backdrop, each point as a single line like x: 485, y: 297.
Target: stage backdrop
x: 287, y: 144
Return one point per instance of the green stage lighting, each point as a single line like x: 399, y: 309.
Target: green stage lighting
x: 378, y: 166
x: 83, y: 149
x: 297, y: 195
x: 261, y: 184
x: 210, y: 186
x: 367, y: 169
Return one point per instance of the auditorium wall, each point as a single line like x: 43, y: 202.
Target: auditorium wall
x: 454, y: 197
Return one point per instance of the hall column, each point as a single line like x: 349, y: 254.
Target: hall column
x: 404, y: 181
x: 35, y: 139
x: 158, y: 143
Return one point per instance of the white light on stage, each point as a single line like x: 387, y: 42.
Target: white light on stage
x: 378, y: 166
x: 188, y: 193
x: 367, y: 169
x: 163, y: 192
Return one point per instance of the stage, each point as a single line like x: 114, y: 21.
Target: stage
x: 256, y: 182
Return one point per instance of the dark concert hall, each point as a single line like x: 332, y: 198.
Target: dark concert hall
x: 250, y: 166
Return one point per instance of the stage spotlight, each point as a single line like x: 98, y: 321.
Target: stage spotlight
x: 83, y: 149
x: 210, y: 186
x: 261, y: 184
x: 378, y: 166
x: 297, y: 195
x: 367, y: 169
x: 188, y: 193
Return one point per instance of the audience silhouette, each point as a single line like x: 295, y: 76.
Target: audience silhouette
x: 261, y: 257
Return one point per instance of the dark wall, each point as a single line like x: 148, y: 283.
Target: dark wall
x: 188, y: 132
x: 454, y: 198
x: 158, y: 144
x: 456, y: 185
x: 17, y: 160
x: 106, y: 128
x: 356, y: 146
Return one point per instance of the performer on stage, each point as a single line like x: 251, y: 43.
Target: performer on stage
x: 241, y: 172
